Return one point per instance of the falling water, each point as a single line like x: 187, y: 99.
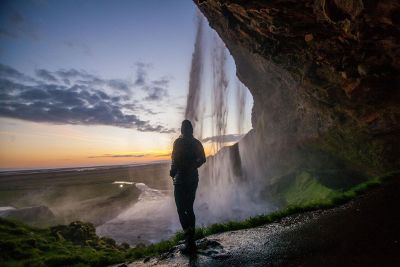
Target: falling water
x: 192, y: 111
x: 241, y: 97
x: 220, y: 91
x: 226, y: 191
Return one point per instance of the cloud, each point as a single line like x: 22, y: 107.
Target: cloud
x: 32, y: 94
x: 155, y: 93
x: 138, y: 106
x: 10, y: 73
x: 130, y: 155
x: 164, y: 81
x: 45, y: 75
x: 119, y: 85
x: 84, y: 101
x: 141, y: 73
x: 84, y: 78
x: 155, y: 90
x: 163, y: 155
x: 119, y: 156
x: 158, y: 128
x: 228, y: 138
x: 75, y: 74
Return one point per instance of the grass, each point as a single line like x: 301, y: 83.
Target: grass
x: 319, y: 198
x: 22, y: 245
x: 306, y: 190
x: 78, y: 245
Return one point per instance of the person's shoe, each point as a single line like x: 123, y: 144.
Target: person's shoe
x: 189, y: 248
x: 190, y: 245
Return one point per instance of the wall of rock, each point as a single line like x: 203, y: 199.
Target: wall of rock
x: 325, y: 78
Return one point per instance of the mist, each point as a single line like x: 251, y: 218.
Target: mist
x: 227, y: 190
x: 224, y: 192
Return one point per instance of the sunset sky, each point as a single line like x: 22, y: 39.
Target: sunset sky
x: 86, y: 83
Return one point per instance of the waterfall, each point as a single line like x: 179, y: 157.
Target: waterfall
x: 241, y: 97
x: 227, y: 190
x: 220, y: 91
x: 192, y: 111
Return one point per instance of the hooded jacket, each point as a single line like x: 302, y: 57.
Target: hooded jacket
x: 187, y: 155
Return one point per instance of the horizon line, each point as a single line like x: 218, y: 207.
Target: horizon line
x: 5, y: 170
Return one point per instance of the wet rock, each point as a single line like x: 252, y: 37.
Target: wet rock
x: 305, y: 87
x: 362, y: 70
x: 211, y: 248
x: 207, y: 243
x: 350, y: 87
x: 308, y: 37
x: 350, y: 7
x: 221, y: 256
x: 167, y: 255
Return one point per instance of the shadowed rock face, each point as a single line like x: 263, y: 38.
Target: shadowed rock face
x: 323, y: 74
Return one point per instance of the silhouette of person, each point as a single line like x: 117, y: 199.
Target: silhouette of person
x: 187, y: 155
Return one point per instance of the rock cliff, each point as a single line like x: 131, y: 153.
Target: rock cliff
x: 324, y: 75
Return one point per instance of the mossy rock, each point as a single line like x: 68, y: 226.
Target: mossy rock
x: 356, y: 146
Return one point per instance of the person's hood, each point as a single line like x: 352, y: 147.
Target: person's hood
x: 187, y: 128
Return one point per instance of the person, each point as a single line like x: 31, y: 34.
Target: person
x: 187, y: 156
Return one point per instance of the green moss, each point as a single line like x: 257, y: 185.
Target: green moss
x: 306, y: 190
x: 22, y: 245
x: 355, y: 146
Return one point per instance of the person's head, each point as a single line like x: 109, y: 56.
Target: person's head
x: 187, y: 128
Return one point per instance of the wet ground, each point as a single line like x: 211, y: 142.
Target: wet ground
x: 363, y: 232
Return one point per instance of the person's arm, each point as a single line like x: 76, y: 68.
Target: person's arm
x: 174, y: 169
x: 201, y: 156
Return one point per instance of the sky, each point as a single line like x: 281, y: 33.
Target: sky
x: 85, y: 83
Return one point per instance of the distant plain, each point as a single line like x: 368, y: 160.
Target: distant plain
x: 87, y: 194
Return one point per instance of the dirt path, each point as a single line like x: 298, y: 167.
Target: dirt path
x: 363, y: 232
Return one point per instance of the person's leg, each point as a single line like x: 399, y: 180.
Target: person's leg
x: 180, y: 201
x: 190, y: 200
x: 191, y: 195
x: 184, y: 199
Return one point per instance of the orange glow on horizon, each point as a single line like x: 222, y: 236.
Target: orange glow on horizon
x: 60, y: 160
x: 47, y: 161
x: 26, y: 145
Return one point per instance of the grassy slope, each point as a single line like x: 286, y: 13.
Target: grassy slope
x: 78, y: 245
x: 22, y: 245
